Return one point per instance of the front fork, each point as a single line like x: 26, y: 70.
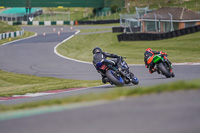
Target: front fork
x: 125, y: 74
x: 170, y: 66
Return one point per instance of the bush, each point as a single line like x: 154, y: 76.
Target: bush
x: 114, y: 8
x: 94, y: 11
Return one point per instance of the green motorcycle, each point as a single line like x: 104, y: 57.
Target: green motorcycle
x: 163, y: 65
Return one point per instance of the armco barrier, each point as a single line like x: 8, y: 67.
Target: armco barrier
x: 11, y: 34
x: 192, y: 29
x: 197, y: 28
x: 156, y: 36
x: 177, y: 32
x: 127, y: 29
x: 118, y: 29
x: 183, y: 31
x: 64, y: 22
x: 42, y: 23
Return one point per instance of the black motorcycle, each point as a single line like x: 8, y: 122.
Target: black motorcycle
x: 117, y: 73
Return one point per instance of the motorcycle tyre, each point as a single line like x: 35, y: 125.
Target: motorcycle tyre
x: 164, y: 70
x: 112, y: 79
x: 135, y: 82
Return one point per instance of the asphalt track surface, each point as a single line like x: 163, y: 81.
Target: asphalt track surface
x: 174, y: 112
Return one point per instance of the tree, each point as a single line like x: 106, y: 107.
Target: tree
x: 158, y: 4
x: 94, y: 11
x: 127, y: 5
x: 114, y: 8
x: 148, y: 2
x: 181, y: 1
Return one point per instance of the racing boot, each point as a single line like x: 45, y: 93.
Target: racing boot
x: 104, y: 80
x: 157, y: 70
x: 172, y: 74
x: 152, y: 70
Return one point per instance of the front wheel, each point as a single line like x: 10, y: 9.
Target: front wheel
x: 134, y: 79
x: 114, y: 78
x: 164, y: 70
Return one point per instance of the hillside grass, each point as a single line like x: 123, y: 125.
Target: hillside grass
x: 180, y: 49
x: 94, y: 30
x: 8, y: 28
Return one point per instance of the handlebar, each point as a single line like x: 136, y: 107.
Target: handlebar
x: 122, y: 57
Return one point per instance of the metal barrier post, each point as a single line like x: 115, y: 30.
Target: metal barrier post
x: 171, y: 22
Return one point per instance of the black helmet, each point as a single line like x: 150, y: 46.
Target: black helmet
x: 97, y: 50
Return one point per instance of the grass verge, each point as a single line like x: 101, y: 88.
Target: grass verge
x: 180, y: 49
x: 8, y: 28
x: 26, y: 34
x: 18, y: 84
x: 114, y: 94
x: 94, y: 30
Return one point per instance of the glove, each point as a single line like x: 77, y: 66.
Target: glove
x: 163, y: 53
x: 120, y: 57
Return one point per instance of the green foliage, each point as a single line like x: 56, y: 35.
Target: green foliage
x: 114, y: 8
x: 8, y: 28
x: 94, y: 11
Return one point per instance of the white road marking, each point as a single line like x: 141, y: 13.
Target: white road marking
x: 55, y: 50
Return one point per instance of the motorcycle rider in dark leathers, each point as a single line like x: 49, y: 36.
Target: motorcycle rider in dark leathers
x: 99, y: 56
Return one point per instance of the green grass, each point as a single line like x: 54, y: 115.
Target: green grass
x: 18, y: 84
x: 95, y: 30
x: 62, y: 14
x: 113, y: 94
x: 180, y: 49
x: 66, y: 9
x: 190, y: 4
x: 8, y: 28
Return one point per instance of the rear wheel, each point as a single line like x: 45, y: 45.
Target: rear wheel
x: 164, y: 70
x: 116, y: 80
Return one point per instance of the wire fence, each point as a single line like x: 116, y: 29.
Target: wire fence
x: 155, y: 23
x: 58, y: 16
